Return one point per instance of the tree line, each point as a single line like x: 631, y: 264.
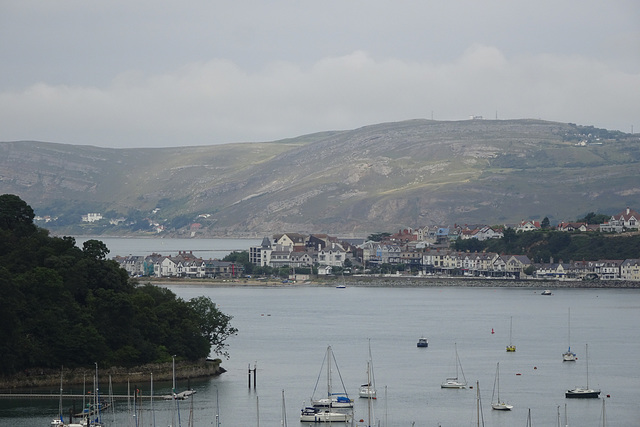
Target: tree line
x: 63, y: 305
x: 544, y: 245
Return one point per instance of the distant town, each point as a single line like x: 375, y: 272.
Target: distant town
x: 418, y: 252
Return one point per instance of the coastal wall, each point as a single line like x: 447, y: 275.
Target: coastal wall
x: 161, y: 372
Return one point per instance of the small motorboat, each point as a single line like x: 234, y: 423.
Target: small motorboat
x: 423, y: 342
x: 546, y: 292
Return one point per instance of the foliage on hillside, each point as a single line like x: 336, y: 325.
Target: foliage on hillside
x: 542, y: 246
x: 62, y: 305
x: 387, y: 176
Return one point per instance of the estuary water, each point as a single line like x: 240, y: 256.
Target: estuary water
x: 284, y: 332
x: 203, y: 248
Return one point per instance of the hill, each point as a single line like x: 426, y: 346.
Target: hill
x: 377, y: 178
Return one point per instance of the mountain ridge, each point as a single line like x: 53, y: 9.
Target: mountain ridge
x: 381, y: 177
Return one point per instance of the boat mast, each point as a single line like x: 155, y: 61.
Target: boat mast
x: 329, y: 373
x: 586, y: 352
x: 498, y: 380
x: 60, y: 405
x: 455, y: 346
x: 369, y: 409
x: 284, y: 412
x: 569, y: 335
x: 372, y: 381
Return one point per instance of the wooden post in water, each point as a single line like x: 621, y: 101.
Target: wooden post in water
x: 255, y: 369
x: 255, y: 374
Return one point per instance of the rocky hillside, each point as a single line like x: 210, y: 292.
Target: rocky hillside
x: 376, y: 178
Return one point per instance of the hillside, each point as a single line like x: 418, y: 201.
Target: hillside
x: 377, y: 178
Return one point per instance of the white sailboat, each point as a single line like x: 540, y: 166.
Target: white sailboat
x: 583, y: 392
x: 511, y: 348
x: 569, y: 356
x: 59, y: 422
x: 332, y: 399
x: 368, y: 390
x: 498, y: 404
x: 317, y: 415
x: 455, y: 382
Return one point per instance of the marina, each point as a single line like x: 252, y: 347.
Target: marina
x: 284, y: 333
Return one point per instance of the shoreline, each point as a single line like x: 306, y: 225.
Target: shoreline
x: 404, y: 281
x: 44, y: 378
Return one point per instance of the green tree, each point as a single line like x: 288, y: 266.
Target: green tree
x: 593, y: 218
x: 62, y: 305
x: 378, y: 237
x: 214, y: 324
x: 545, y: 224
x: 95, y: 249
x: 15, y: 214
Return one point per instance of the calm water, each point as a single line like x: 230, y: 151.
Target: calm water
x: 203, y: 248
x: 286, y: 331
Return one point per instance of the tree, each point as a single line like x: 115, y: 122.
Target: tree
x: 378, y: 237
x: 593, y: 218
x: 66, y: 305
x: 16, y: 214
x: 214, y: 324
x: 95, y: 249
x: 545, y: 223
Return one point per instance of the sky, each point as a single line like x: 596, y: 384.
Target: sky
x: 158, y: 73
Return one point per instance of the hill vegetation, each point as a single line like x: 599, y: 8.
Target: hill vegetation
x: 62, y: 305
x: 387, y: 176
x: 546, y: 245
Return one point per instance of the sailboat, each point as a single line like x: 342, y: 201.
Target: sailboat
x: 455, y: 382
x: 59, y: 421
x: 321, y: 409
x: 583, y: 392
x: 368, y: 390
x: 569, y: 356
x: 498, y: 404
x: 511, y: 347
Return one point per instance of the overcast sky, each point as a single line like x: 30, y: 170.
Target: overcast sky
x: 157, y: 73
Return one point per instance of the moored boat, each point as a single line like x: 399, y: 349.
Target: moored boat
x: 569, y: 356
x: 498, y: 404
x: 511, y: 348
x: 317, y: 415
x: 583, y: 392
x: 455, y: 382
x: 332, y: 399
x: 423, y: 342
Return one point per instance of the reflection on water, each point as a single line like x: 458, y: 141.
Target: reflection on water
x: 285, y: 331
